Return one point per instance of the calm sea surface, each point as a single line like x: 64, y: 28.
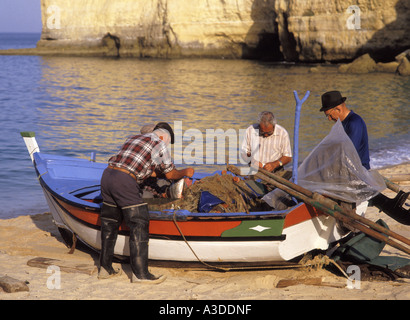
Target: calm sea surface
x: 81, y: 105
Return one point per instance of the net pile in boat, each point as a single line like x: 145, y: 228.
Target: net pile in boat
x: 235, y: 194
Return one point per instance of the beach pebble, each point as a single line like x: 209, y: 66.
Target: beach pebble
x: 10, y: 285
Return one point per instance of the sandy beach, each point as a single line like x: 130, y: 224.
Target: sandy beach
x: 28, y: 237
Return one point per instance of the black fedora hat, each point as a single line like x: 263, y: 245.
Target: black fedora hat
x: 331, y: 99
x: 166, y: 126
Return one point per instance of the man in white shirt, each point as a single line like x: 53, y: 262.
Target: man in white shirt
x: 266, y: 144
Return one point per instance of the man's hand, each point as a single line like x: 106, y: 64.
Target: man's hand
x: 179, y: 174
x: 271, y: 166
x: 189, y: 172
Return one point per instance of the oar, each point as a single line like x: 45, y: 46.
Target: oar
x: 334, y: 206
x: 391, y: 185
x: 324, y: 208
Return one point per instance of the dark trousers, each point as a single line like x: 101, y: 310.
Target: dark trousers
x: 122, y: 201
x: 119, y: 189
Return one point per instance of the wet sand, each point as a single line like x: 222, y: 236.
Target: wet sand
x: 27, y: 237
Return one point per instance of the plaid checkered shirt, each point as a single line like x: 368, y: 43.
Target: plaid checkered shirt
x: 142, y: 155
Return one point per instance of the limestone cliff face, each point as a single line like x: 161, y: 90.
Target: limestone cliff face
x: 295, y: 30
x: 323, y: 30
x: 230, y: 28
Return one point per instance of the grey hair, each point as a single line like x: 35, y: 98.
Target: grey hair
x: 266, y: 117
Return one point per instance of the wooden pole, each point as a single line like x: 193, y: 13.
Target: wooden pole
x: 391, y: 185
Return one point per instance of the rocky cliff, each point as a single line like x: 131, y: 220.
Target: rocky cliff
x: 292, y: 30
x: 325, y: 30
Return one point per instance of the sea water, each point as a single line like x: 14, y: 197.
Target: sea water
x: 78, y: 105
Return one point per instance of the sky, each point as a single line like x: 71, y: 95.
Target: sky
x: 20, y: 16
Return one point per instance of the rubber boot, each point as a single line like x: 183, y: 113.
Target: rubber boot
x: 137, y: 218
x: 393, y: 207
x: 110, y: 223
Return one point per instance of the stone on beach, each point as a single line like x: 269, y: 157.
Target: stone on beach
x: 11, y: 285
x: 404, y: 67
x: 363, y: 64
x: 390, y: 67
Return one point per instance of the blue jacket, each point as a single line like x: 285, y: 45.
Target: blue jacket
x: 356, y: 129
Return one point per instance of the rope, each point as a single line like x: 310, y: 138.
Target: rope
x: 38, y: 178
x: 306, y: 264
x: 189, y: 246
x: 34, y: 151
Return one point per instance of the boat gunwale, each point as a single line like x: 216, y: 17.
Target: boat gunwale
x: 177, y: 237
x: 166, y: 214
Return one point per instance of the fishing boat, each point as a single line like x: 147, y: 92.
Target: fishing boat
x: 72, y: 189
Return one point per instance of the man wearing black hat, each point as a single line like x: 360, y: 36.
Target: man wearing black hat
x: 141, y: 157
x: 334, y: 107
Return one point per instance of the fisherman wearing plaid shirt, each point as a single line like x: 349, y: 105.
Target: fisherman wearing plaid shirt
x: 141, y: 157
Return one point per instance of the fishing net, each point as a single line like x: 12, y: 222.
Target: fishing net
x: 234, y: 194
x: 334, y: 169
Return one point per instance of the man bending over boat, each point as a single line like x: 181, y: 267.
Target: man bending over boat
x: 141, y: 157
x: 266, y: 144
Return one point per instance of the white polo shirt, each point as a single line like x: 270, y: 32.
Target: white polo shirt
x: 267, y: 149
